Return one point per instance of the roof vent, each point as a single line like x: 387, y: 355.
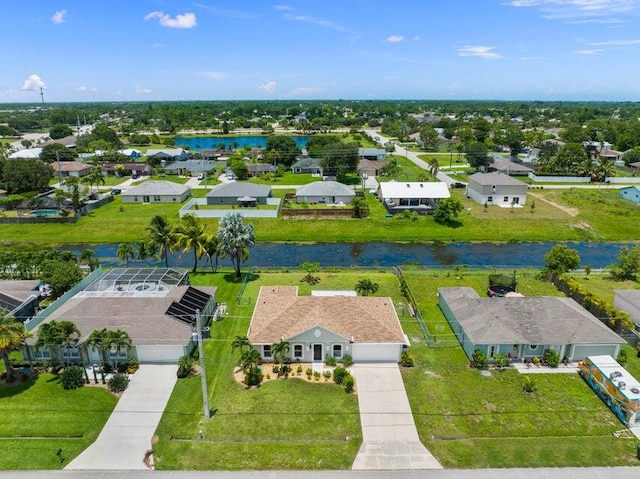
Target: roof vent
x: 635, y: 390
x: 408, y: 185
x: 421, y: 185
x: 622, y: 384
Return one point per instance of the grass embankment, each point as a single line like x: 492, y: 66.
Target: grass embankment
x: 39, y: 417
x: 470, y: 421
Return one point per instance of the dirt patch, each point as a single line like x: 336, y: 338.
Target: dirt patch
x: 434, y: 375
x: 582, y: 225
x: 570, y: 211
x: 269, y: 375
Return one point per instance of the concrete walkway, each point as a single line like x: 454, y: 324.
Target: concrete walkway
x: 126, y: 436
x: 389, y: 436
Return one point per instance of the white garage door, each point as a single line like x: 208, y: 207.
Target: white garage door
x: 581, y: 352
x: 159, y: 353
x: 376, y: 352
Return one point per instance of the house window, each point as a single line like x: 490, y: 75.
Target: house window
x: 337, y: 351
x: 489, y: 199
x: 516, y: 200
x: 266, y: 351
x: 156, y: 198
x: 506, y: 199
x: 297, y: 351
x: 533, y: 347
x: 70, y: 354
x: 42, y: 354
x: 135, y: 198
x: 113, y: 354
x: 492, y: 351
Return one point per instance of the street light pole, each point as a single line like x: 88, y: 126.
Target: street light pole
x: 203, y: 375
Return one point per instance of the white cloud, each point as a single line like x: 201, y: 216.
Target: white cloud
x: 283, y: 8
x: 527, y: 59
x: 34, y: 82
x: 142, y: 91
x: 320, y: 22
x: 82, y: 88
x: 416, y: 38
x: 217, y: 76
x: 615, y: 43
x: 59, y: 16
x: 595, y: 51
x: 395, y: 38
x: 601, y: 10
x: 478, y: 51
x: 269, y: 87
x: 182, y: 20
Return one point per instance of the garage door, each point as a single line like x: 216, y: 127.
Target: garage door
x: 159, y: 353
x: 376, y: 352
x: 581, y: 352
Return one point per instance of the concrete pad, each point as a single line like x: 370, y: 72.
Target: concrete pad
x: 389, y: 437
x: 127, y: 434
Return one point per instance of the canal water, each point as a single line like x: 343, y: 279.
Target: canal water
x: 201, y: 142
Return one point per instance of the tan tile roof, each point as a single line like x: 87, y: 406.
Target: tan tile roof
x: 281, y: 313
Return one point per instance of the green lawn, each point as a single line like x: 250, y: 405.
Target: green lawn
x: 174, y: 178
x: 39, y: 417
x: 470, y: 421
x: 286, y: 179
x: 409, y: 171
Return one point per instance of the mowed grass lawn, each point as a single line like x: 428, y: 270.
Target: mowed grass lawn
x: 38, y: 417
x: 286, y: 424
x: 470, y: 421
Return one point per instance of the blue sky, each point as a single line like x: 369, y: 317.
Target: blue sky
x: 120, y: 50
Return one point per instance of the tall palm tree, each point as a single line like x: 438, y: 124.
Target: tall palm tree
x: 249, y: 360
x: 57, y: 335
x: 212, y: 250
x: 88, y: 257
x: 366, y: 287
x: 99, y: 340
x: 240, y: 342
x: 279, y: 352
x: 126, y: 252
x: 12, y: 335
x: 190, y: 235
x: 161, y: 236
x: 119, y: 341
x: 235, y: 239
x: 603, y: 169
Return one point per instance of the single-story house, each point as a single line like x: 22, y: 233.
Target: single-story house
x: 610, y: 154
x: 375, y: 154
x: 155, y: 306
x: 628, y: 300
x: 131, y: 153
x: 238, y: 192
x: 324, y: 192
x: 20, y: 298
x: 212, y: 154
x: 510, y: 168
x: 307, y: 165
x: 630, y: 193
x: 260, y: 169
x: 115, y: 169
x: 371, y: 167
x: 525, y: 327
x: 67, y: 141
x: 71, y: 168
x: 157, y: 192
x: 190, y: 167
x: 496, y: 189
x: 27, y: 153
x: 419, y: 196
x: 168, y: 154
x: 365, y: 327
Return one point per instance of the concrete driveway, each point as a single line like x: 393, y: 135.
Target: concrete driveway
x: 389, y: 436
x: 126, y: 436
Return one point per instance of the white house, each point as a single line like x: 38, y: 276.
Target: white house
x: 157, y: 192
x: 172, y: 154
x: 324, y: 192
x: 365, y: 327
x: 418, y: 196
x: 497, y: 189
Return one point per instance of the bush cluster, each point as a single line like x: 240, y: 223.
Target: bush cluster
x: 72, y: 377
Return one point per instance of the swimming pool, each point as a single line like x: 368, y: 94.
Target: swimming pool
x: 45, y: 212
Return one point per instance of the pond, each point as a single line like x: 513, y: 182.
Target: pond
x: 202, y: 142
x: 385, y: 255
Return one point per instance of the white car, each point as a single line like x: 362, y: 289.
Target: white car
x: 201, y: 176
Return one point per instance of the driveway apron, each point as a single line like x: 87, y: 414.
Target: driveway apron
x: 389, y: 436
x: 126, y: 436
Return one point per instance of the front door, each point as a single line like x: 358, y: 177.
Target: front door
x: 145, y: 199
x: 317, y: 352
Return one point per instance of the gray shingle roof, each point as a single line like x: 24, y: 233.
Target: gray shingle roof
x: 238, y: 189
x: 153, y: 187
x: 325, y: 188
x: 496, y: 178
x: 526, y: 320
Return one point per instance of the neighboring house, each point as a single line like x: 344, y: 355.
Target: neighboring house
x: 370, y: 167
x: 628, y: 300
x: 238, y: 192
x: 157, y: 192
x: 419, y: 196
x: 307, y: 165
x: 155, y: 306
x: 324, y: 192
x: 168, y: 154
x: 20, y: 298
x: 365, y: 327
x: 115, y: 169
x: 190, y: 167
x: 212, y: 155
x: 510, y: 168
x: 630, y: 193
x: 260, y: 169
x: 67, y: 141
x: 131, y: 153
x: 27, y: 153
x: 375, y: 154
x: 610, y: 154
x: 496, y: 189
x: 71, y: 168
x: 525, y: 327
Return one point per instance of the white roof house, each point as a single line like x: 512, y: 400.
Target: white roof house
x: 422, y: 197
x: 325, y: 192
x: 157, y: 192
x: 27, y: 153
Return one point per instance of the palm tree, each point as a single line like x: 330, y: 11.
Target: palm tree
x: 603, y: 169
x: 57, y: 335
x: 118, y: 342
x: 249, y: 360
x: 12, y: 335
x: 434, y: 166
x: 98, y: 340
x: 366, y: 287
x: 88, y: 257
x: 280, y: 351
x: 212, y: 250
x: 190, y: 235
x: 240, y: 342
x: 161, y: 236
x: 125, y: 252
x: 235, y: 239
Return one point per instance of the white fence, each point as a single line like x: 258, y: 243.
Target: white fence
x: 190, y: 209
x: 559, y: 179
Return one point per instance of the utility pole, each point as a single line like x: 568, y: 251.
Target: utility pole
x: 59, y: 170
x: 203, y: 375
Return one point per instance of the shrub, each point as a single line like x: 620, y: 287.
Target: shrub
x: 552, y: 358
x: 536, y: 361
x: 72, y: 377
x: 330, y: 360
x: 275, y: 369
x: 406, y: 360
x: 501, y: 360
x: 348, y: 383
x: 118, y: 383
x: 529, y: 385
x: 299, y: 370
x: 185, y: 363
x: 309, y: 373
x: 327, y: 375
x: 479, y: 359
x: 132, y: 366
x: 622, y: 357
x: 253, y: 377
x: 339, y: 374
x: 316, y: 375
x: 347, y: 361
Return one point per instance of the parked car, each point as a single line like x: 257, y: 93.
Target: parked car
x: 134, y: 175
x: 201, y: 176
x: 116, y: 191
x: 457, y: 184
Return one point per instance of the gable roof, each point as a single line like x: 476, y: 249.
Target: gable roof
x: 69, y: 166
x: 153, y: 187
x: 374, y: 164
x: 165, y: 152
x: 237, y: 189
x: 262, y: 167
x: 495, y: 179
x: 429, y: 189
x: 307, y: 163
x: 325, y: 188
x: 502, y: 165
x: 281, y: 313
x: 525, y: 320
x: 371, y: 152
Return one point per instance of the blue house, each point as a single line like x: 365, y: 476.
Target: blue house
x: 630, y: 193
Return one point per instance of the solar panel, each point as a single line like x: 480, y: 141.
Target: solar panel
x: 185, y: 310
